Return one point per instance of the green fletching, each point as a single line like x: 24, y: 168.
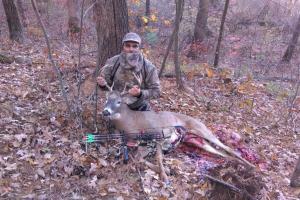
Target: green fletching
x: 90, y: 138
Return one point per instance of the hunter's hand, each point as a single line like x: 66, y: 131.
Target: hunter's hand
x: 101, y: 81
x: 135, y: 91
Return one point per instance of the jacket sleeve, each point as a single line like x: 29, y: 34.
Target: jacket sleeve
x: 107, y: 70
x: 152, y: 84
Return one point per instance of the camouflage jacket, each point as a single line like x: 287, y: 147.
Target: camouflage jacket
x: 115, y: 71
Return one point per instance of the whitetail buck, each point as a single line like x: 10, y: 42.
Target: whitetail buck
x: 129, y: 121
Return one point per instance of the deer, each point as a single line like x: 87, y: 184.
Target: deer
x: 129, y: 121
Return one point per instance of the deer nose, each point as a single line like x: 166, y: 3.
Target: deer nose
x: 105, y: 112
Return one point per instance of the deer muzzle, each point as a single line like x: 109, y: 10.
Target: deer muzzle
x: 106, y: 112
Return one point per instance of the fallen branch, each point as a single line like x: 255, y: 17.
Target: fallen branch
x: 64, y: 94
x: 228, y: 185
x: 232, y: 187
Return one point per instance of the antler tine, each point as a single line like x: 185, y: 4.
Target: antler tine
x: 110, y: 88
x: 138, y: 78
x: 101, y: 74
x: 124, y: 90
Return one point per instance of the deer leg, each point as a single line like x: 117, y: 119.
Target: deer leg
x: 153, y: 167
x: 204, y: 132
x: 141, y: 159
x: 159, y: 158
x: 204, y: 145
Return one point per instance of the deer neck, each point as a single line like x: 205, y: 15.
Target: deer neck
x: 120, y: 116
x: 124, y: 118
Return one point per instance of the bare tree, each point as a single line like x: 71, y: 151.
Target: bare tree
x: 179, y: 12
x: 56, y: 69
x: 13, y: 21
x: 201, y: 28
x: 216, y: 61
x: 73, y: 21
x: 166, y: 54
x: 147, y: 13
x: 112, y: 25
x: 171, y: 41
x: 291, y: 47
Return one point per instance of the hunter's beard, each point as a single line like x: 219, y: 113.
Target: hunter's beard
x: 132, y: 59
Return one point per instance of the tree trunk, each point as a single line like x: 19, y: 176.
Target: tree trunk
x: 295, y: 180
x: 166, y: 54
x: 73, y: 21
x: 13, y: 21
x: 111, y: 26
x: 201, y: 29
x: 21, y: 12
x: 163, y: 65
x: 290, y: 49
x: 147, y: 13
x: 179, y: 12
x: 216, y: 61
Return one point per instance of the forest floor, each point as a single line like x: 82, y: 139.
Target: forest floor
x: 41, y: 150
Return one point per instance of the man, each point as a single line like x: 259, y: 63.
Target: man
x: 122, y: 71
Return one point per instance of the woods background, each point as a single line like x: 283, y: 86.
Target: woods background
x: 236, y: 69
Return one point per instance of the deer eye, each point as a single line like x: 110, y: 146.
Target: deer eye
x: 119, y: 102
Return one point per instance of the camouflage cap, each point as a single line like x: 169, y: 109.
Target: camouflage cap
x: 133, y: 37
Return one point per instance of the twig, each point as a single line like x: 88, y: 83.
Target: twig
x: 33, y: 3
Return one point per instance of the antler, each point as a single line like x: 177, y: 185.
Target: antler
x: 124, y: 90
x: 138, y: 78
x: 110, y: 88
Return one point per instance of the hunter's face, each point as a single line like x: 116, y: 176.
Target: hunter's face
x: 130, y: 47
